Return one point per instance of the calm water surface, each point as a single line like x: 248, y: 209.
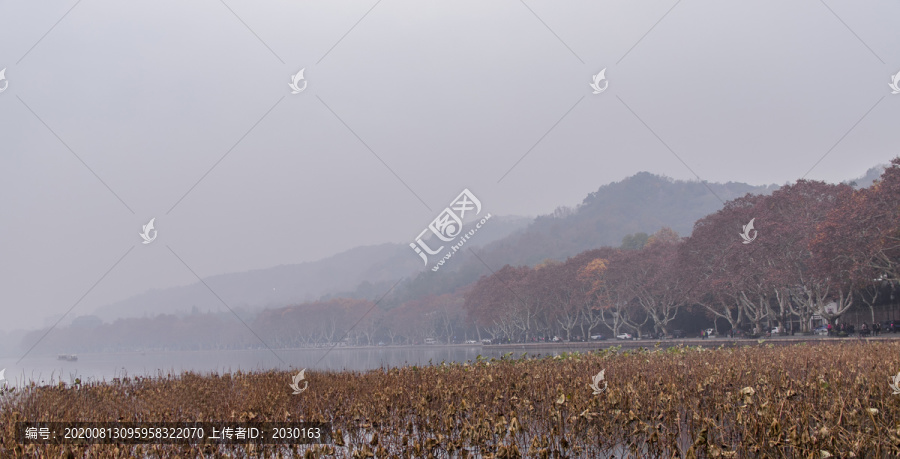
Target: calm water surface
x: 98, y: 367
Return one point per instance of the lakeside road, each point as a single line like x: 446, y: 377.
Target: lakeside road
x: 710, y: 342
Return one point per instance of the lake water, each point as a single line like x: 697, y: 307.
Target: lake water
x: 98, y: 367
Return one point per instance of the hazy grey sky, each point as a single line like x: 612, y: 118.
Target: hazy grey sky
x: 448, y: 95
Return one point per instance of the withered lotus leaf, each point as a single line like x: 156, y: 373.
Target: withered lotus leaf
x: 741, y: 402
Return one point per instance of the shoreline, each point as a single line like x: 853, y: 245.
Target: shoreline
x: 713, y: 342
x: 601, y: 344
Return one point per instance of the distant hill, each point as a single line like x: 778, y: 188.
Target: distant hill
x: 868, y: 178
x: 643, y: 202
x: 294, y: 283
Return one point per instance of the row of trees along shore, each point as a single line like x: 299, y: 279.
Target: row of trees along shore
x: 816, y: 244
x: 820, y: 249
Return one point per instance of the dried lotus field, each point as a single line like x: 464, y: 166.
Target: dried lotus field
x: 799, y: 401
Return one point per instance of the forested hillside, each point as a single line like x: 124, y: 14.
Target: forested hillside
x: 815, y: 250
x: 643, y: 203
x: 416, y: 305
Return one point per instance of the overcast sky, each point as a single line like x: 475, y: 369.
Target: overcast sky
x: 119, y: 112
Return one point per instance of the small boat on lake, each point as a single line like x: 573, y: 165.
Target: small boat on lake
x: 67, y: 357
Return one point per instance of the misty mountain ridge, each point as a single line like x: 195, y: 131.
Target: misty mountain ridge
x: 273, y: 286
x: 869, y: 178
x: 644, y: 202
x: 293, y: 283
